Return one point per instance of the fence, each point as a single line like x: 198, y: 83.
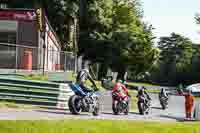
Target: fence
x: 20, y: 57
x: 46, y: 94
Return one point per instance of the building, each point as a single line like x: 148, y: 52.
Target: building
x: 28, y: 41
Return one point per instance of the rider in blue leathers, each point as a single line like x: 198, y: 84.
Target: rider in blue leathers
x: 82, y: 77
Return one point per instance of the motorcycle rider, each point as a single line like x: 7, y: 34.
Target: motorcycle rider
x: 82, y: 77
x: 142, y: 93
x: 120, y: 89
x: 164, y: 94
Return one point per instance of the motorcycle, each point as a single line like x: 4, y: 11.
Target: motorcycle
x: 83, y: 101
x: 144, y: 105
x: 163, y: 102
x: 120, y: 103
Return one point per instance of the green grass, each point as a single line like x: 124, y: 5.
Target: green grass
x: 36, y: 77
x: 96, y: 126
x: 133, y: 104
x: 142, y: 84
x: 133, y: 100
x: 4, y: 104
x: 72, y: 76
x: 153, y: 91
x: 197, y: 98
x: 98, y: 84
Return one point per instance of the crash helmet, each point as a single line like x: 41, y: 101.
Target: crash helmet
x: 119, y: 81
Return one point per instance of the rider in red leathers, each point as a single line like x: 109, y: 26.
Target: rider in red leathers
x: 120, y: 89
x: 120, y: 98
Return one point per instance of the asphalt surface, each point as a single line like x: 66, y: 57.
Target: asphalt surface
x: 175, y: 112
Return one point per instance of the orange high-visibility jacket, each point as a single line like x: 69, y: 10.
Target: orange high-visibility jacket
x: 189, y: 101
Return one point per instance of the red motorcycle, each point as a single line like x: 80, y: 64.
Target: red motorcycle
x: 120, y: 103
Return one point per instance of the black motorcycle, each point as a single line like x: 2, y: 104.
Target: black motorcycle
x: 144, y: 105
x: 163, y: 102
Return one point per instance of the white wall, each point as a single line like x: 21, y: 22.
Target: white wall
x: 53, y: 49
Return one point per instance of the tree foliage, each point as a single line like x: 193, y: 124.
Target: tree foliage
x: 176, y: 57
x: 110, y: 31
x: 176, y: 49
x: 119, y: 29
x: 59, y: 13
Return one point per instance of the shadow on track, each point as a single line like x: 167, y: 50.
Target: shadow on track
x: 157, y: 108
x: 110, y: 113
x: 179, y: 119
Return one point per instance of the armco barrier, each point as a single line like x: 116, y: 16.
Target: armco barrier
x: 35, y: 92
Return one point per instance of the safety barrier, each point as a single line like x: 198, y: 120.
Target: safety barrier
x: 35, y: 92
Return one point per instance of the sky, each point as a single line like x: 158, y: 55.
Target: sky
x: 169, y: 16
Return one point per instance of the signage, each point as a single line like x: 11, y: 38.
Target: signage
x: 40, y: 19
x: 17, y: 15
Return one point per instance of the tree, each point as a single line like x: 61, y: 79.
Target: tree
x: 133, y: 39
x: 175, y: 57
x: 111, y: 31
x: 178, y: 49
x: 62, y: 15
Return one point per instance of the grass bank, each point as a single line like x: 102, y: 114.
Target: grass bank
x: 98, y: 84
x: 95, y: 126
x: 36, y: 77
x: 142, y: 84
x: 133, y: 100
x: 153, y: 91
x: 5, y: 104
x: 197, y: 98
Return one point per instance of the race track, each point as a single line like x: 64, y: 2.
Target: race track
x: 175, y: 112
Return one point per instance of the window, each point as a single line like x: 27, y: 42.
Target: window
x: 8, y: 26
x: 7, y: 57
x: 3, y: 5
x: 8, y: 37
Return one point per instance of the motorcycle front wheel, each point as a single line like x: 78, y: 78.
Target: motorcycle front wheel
x: 115, y: 108
x: 75, y: 104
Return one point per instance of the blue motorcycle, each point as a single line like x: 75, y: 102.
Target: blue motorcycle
x: 83, y: 101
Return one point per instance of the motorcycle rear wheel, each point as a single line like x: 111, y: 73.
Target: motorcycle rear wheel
x: 163, y: 106
x: 96, y: 109
x: 140, y: 108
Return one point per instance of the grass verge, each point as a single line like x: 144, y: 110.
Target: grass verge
x: 95, y: 126
x: 98, y: 84
x: 142, y: 84
x: 153, y: 91
x: 197, y: 98
x: 133, y: 100
x: 36, y: 77
x: 4, y: 104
